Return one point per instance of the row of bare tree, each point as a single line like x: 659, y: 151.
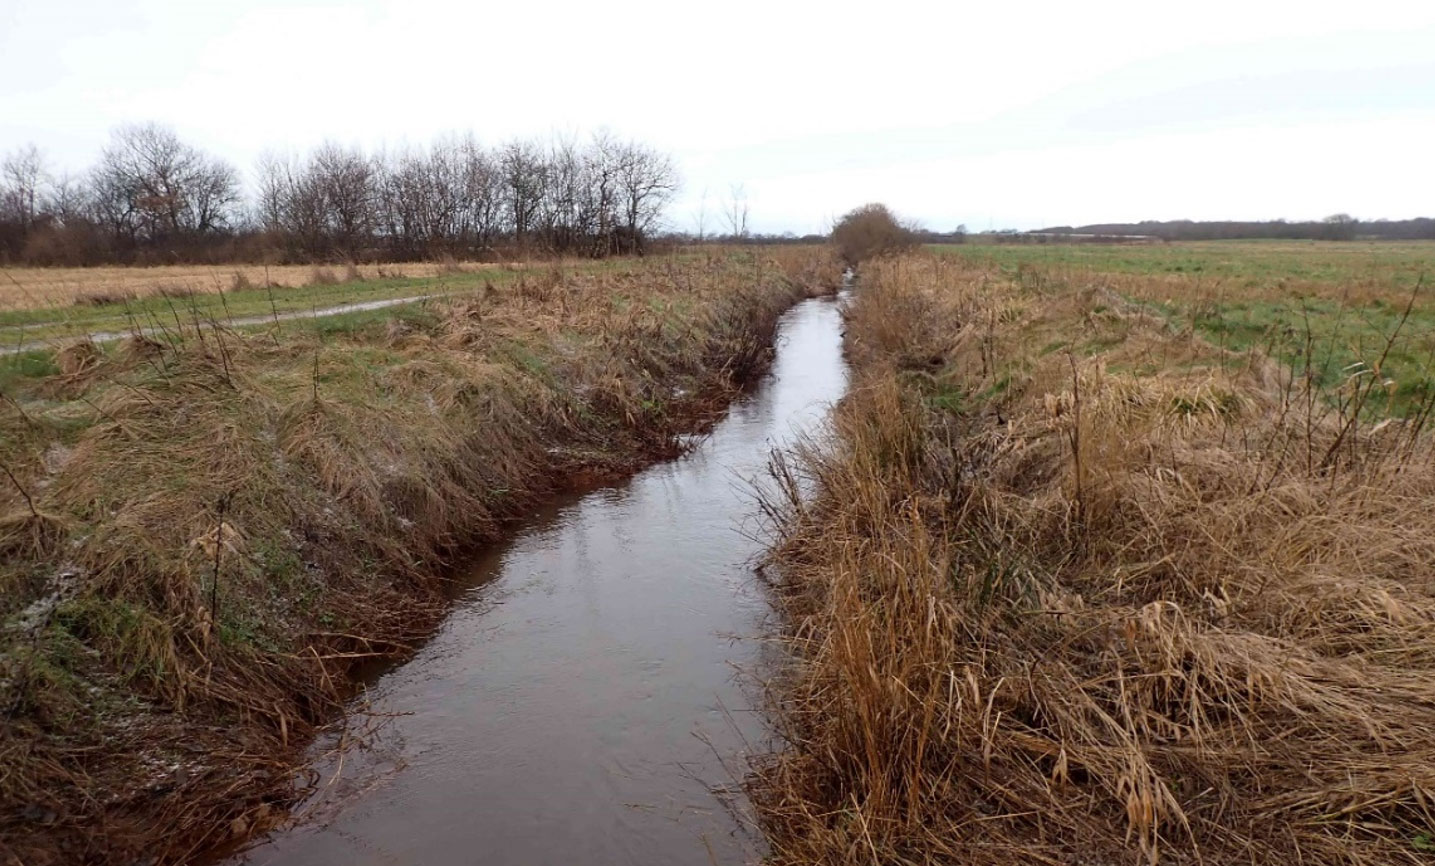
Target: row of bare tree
x: 153, y: 198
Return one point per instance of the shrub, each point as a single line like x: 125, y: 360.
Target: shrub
x: 869, y: 232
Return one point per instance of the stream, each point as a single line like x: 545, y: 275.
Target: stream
x: 585, y: 696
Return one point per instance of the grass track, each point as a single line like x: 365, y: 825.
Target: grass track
x: 60, y: 323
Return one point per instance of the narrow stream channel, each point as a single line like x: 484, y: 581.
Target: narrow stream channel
x: 583, y: 696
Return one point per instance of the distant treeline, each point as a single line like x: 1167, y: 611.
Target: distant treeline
x: 1340, y: 227
x: 154, y: 199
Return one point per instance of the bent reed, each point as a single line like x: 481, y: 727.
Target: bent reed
x: 1076, y: 586
x: 203, y: 531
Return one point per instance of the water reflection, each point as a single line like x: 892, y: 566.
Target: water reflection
x: 580, y: 698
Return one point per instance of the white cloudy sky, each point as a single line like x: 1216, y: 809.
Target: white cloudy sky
x: 992, y: 113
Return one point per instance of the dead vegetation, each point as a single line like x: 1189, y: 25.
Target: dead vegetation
x: 1078, y: 587
x: 204, y: 530
x: 37, y: 288
x: 871, y: 231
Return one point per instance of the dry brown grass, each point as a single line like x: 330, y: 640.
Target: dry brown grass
x: 1079, y: 588
x: 37, y: 288
x: 206, y: 530
x: 1355, y: 290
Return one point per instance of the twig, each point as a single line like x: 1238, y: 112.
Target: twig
x: 18, y: 408
x: 29, y: 503
x: 1363, y: 393
x: 1076, y: 439
x: 218, y: 552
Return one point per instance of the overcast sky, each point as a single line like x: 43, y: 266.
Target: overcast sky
x: 991, y: 114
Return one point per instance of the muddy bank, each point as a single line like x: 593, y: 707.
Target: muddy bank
x: 205, y: 533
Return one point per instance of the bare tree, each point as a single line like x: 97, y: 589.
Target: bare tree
x: 149, y: 186
x: 150, y: 191
x: 524, y: 176
x: 292, y: 206
x: 700, y: 216
x: 345, y: 179
x: 736, y: 213
x: 23, y: 180
x: 566, y: 213
x: 213, y: 196
x: 273, y: 177
x: 604, y: 154
x: 68, y: 200
x: 482, y: 198
x: 1340, y: 227
x: 444, y: 210
x: 647, y: 181
x: 406, y: 202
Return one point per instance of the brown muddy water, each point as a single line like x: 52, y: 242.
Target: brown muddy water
x: 584, y: 697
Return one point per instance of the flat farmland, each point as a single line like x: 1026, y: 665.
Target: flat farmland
x: 56, y: 304
x: 40, y: 288
x: 1338, y: 312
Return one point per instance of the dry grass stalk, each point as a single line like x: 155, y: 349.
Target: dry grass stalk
x: 34, y: 288
x: 1148, y: 631
x: 188, y: 651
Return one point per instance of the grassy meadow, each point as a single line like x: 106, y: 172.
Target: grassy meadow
x: 26, y: 288
x: 1339, y: 312
x: 1261, y: 264
x: 203, y: 529
x: 37, y: 307
x: 1093, y: 576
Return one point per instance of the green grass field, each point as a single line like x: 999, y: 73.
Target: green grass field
x: 1247, y: 264
x: 1339, y: 309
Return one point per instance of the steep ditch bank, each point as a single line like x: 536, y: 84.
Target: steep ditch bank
x: 205, y: 532
x: 1079, y: 587
x: 580, y: 701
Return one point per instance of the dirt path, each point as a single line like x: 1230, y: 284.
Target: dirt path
x: 243, y: 321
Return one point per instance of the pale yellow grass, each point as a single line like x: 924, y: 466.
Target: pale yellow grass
x: 1078, y: 587
x: 38, y: 288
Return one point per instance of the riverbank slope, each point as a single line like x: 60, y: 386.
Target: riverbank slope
x: 1079, y: 586
x: 203, y: 531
